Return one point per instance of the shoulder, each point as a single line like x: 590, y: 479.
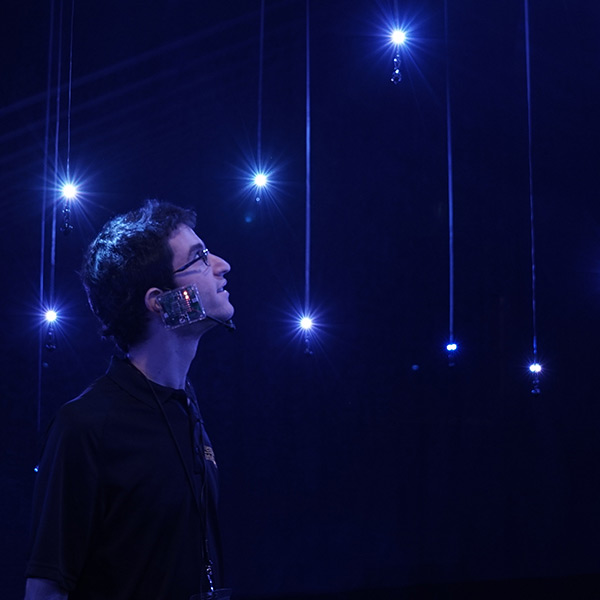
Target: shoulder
x: 95, y: 398
x: 89, y: 410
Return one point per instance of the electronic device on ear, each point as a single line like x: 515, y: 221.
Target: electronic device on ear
x: 181, y: 306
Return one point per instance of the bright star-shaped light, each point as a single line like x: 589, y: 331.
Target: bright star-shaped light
x: 306, y: 323
x: 50, y: 316
x: 260, y: 180
x: 69, y: 191
x: 398, y: 37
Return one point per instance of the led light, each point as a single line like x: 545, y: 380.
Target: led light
x: 50, y: 316
x: 306, y: 323
x: 535, y: 368
x: 69, y: 191
x: 452, y: 347
x: 398, y: 37
x: 260, y: 180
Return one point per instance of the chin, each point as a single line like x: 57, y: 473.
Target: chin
x: 226, y: 313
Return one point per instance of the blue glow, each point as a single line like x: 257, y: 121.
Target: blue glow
x: 398, y: 37
x: 535, y: 368
x: 452, y: 347
x: 260, y: 180
x: 306, y: 323
x: 50, y: 316
x: 69, y: 191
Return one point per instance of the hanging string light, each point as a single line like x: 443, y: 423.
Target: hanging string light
x: 306, y: 322
x: 451, y: 346
x: 260, y: 178
x: 51, y: 316
x: 58, y: 185
x: 398, y: 38
x: 65, y: 191
x: 535, y: 368
x: 42, y: 297
x: 69, y: 189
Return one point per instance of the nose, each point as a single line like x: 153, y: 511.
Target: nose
x: 219, y: 265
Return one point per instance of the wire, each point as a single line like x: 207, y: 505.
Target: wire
x: 308, y: 203
x: 260, y: 87
x: 450, y: 186
x: 70, y: 92
x: 536, y: 379
x: 56, y: 154
x: 43, y: 217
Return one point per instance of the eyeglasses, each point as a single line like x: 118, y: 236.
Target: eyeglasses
x: 200, y: 255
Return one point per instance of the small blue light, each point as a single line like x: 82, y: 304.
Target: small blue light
x: 306, y: 323
x: 398, y: 37
x: 260, y: 180
x: 452, y: 347
x: 69, y: 191
x: 50, y: 316
x: 535, y: 368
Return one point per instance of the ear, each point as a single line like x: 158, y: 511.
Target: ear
x: 150, y: 299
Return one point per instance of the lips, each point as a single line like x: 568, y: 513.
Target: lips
x: 222, y: 288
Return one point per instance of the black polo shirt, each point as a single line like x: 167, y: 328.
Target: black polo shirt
x: 116, y: 515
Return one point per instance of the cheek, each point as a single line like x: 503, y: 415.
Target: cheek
x: 207, y: 291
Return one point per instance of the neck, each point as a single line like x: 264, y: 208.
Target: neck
x: 165, y: 360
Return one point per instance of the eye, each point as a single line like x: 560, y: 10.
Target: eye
x: 202, y: 255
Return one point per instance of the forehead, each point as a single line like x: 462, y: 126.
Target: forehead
x: 184, y: 242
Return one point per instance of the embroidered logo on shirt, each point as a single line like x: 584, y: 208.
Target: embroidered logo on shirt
x: 209, y: 454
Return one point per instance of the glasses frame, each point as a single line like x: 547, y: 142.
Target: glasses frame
x: 203, y: 257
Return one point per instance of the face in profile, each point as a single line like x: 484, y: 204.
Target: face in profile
x: 194, y: 265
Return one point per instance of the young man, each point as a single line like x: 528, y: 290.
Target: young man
x: 126, y: 491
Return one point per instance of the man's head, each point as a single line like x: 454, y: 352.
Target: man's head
x: 138, y: 252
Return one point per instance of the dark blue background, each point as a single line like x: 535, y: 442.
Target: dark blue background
x: 349, y: 470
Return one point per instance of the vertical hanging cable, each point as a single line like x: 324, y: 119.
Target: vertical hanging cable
x: 260, y: 88
x: 451, y: 345
x: 56, y: 154
x: 307, y: 348
x: 535, y: 367
x: 70, y: 92
x: 66, y: 211
x: 43, y: 306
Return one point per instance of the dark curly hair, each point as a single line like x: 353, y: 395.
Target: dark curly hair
x: 130, y: 255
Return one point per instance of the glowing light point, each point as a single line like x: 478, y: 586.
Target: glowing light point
x: 306, y: 323
x: 452, y: 347
x: 260, y: 180
x: 69, y: 191
x: 50, y: 316
x: 398, y: 37
x: 535, y: 368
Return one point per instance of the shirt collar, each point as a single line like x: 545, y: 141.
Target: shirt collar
x: 134, y: 382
